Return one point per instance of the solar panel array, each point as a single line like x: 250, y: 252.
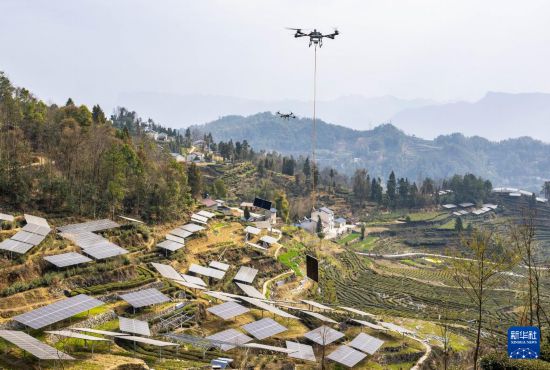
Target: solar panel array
x: 317, y: 315
x: 323, y: 335
x: 6, y: 217
x: 317, y: 304
x: 84, y: 239
x: 134, y: 326
x: 252, y: 230
x: 246, y: 274
x: 67, y: 259
x: 300, y: 351
x: 264, y: 328
x: 206, y: 214
x: 192, y: 228
x: 220, y: 296
x: 90, y: 226
x: 189, y: 285
x: 231, y: 338
x: 57, y: 311
x: 366, y: 343
x: 346, y: 356
x: 72, y: 334
x: 176, y: 239
x: 166, y: 271
x: 356, y: 311
x: 250, y: 291
x: 207, y: 271
x: 268, y: 239
x: 32, y: 234
x: 146, y: 297
x: 219, y: 265
x: 149, y: 341
x: 193, y: 279
x: 170, y: 245
x: 268, y: 307
x: 107, y: 250
x: 266, y: 347
x: 199, y: 219
x: 180, y: 232
x: 228, y: 310
x: 33, y: 345
x: 102, y: 332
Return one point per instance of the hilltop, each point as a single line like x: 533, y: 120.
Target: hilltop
x: 385, y: 148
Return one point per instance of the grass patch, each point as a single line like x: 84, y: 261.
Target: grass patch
x: 292, y: 259
x: 348, y: 238
x: 423, y: 216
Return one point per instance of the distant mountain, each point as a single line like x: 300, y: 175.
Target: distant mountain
x: 521, y: 162
x: 496, y: 116
x: 183, y: 110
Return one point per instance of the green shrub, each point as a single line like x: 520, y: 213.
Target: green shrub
x: 499, y: 361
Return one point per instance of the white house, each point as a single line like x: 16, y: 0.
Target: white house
x: 178, y: 157
x: 327, y: 218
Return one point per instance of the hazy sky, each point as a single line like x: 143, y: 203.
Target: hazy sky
x: 436, y: 49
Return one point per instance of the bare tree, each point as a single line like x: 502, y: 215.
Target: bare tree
x: 477, y: 269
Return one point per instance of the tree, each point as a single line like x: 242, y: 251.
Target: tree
x: 98, y: 116
x: 246, y: 213
x: 282, y: 205
x: 476, y: 271
x: 194, y: 179
x: 319, y: 226
x: 307, y: 169
x: 363, y: 227
x: 391, y: 187
x: 219, y: 188
x: 361, y: 186
x: 459, y: 227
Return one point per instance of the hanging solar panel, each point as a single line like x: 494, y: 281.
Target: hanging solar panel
x: 170, y: 245
x: 369, y: 324
x: 37, y: 229
x: 246, y: 274
x: 33, y: 345
x: 346, y: 356
x: 323, y: 335
x: 317, y: 304
x: 176, y: 239
x: 318, y: 316
x: 97, y: 331
x: 57, y: 311
x: 85, y: 239
x: 220, y: 296
x: 366, y: 343
x: 207, y: 271
x: 146, y: 297
x: 30, y: 219
x: 149, y: 341
x: 67, y: 259
x: 199, y: 219
x: 180, y: 233
x: 6, y: 217
x: 300, y: 351
x: 166, y: 271
x: 312, y: 268
x: 134, y: 326
x: 264, y: 328
x: 206, y: 214
x: 356, y: 311
x: 219, y: 265
x: 267, y: 348
x: 228, y: 310
x: 193, y: 279
x: 72, y: 334
x: 251, y: 291
x: 262, y: 203
x: 231, y: 338
x: 90, y: 226
x: 252, y: 230
x: 268, y: 307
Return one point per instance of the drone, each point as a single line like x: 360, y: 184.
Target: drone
x: 286, y: 116
x: 315, y: 37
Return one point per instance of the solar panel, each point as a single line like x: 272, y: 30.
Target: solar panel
x: 193, y: 279
x: 57, y: 311
x: 312, y: 268
x: 170, y: 245
x: 266, y: 347
x: 262, y: 203
x: 166, y: 271
x: 6, y: 217
x: 180, y: 233
x: 231, y: 337
x: 146, y: 297
x: 207, y: 271
x: 317, y: 304
x: 29, y: 238
x: 359, y: 312
x: 264, y: 328
x: 246, y: 274
x: 346, y: 356
x: 219, y: 265
x: 323, y: 335
x: 72, y: 334
x: 33, y: 345
x: 107, y: 250
x: 67, y: 259
x: 252, y: 230
x: 84, y: 239
x: 131, y: 219
x: 90, y: 226
x: 15, y: 246
x: 300, y: 351
x: 268, y: 239
x: 30, y: 219
x: 37, y: 229
x: 152, y: 342
x: 102, y: 332
x: 192, y: 228
x: 250, y: 291
x: 366, y: 343
x: 220, y: 296
x: 228, y: 310
x: 268, y: 307
x: 369, y: 324
x: 134, y: 326
x: 201, y: 219
x: 176, y: 239
x: 317, y: 315
x: 189, y: 285
x: 397, y: 328
x: 206, y: 214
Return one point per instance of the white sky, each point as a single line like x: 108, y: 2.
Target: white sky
x: 436, y: 49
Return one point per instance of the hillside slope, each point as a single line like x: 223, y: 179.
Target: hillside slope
x: 518, y: 162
